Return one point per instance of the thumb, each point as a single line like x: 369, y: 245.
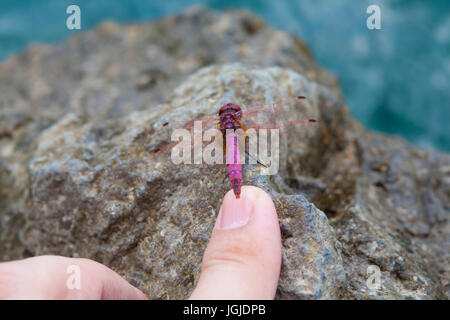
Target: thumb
x: 243, y: 257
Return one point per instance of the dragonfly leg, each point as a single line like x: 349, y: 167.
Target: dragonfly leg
x: 257, y: 160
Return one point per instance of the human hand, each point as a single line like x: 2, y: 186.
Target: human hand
x: 46, y: 277
x: 242, y: 261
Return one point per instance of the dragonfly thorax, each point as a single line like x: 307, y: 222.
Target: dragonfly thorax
x: 230, y: 116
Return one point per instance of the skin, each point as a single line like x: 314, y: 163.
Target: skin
x: 242, y: 261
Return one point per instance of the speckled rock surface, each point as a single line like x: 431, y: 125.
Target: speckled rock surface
x: 79, y: 121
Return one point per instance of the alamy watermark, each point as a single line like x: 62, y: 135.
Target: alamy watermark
x: 374, y: 20
x: 373, y: 281
x: 73, y: 21
x: 241, y: 146
x: 73, y: 281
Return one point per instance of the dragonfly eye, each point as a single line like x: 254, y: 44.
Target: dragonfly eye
x: 237, y: 109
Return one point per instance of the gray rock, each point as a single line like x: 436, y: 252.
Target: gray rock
x: 79, y: 122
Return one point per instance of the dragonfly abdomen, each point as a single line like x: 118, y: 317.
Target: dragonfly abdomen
x: 230, y: 115
x: 235, y: 175
x: 234, y: 163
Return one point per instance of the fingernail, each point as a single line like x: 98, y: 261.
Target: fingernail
x: 234, y: 213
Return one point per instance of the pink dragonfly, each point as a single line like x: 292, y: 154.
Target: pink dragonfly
x: 231, y: 118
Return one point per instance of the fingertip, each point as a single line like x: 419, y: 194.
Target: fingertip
x: 238, y: 212
x: 243, y: 258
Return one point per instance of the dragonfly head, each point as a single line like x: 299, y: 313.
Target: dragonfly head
x: 229, y: 107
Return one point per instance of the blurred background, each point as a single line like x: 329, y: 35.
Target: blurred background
x: 395, y: 80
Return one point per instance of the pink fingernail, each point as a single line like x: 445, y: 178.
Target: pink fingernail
x: 234, y: 213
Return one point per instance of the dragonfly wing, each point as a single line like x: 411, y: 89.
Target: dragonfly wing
x: 167, y: 130
x: 278, y: 125
x: 269, y: 107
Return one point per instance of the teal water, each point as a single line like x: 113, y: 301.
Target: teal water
x: 395, y: 80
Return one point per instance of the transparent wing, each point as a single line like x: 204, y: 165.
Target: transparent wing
x: 271, y: 108
x: 288, y: 112
x: 192, y: 139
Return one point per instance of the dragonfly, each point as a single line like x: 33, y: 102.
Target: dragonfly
x: 231, y: 119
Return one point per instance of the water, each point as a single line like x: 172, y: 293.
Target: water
x: 395, y: 80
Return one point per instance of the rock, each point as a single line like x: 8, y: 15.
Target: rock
x: 79, y: 122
